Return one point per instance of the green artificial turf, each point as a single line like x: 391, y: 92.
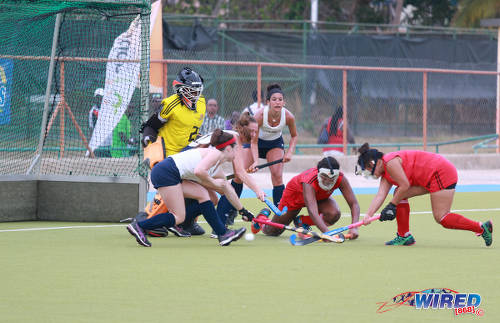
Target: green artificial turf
x: 100, y: 274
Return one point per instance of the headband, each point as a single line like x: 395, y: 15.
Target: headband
x: 272, y: 91
x: 224, y: 144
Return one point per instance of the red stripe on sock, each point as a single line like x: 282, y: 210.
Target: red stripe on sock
x: 460, y: 222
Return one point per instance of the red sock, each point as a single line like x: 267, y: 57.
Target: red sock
x: 459, y: 222
x: 306, y: 219
x: 403, y: 217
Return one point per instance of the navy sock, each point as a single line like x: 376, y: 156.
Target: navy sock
x: 224, y: 206
x: 192, y: 210
x: 278, y: 193
x: 208, y: 210
x: 158, y: 221
x: 238, y: 187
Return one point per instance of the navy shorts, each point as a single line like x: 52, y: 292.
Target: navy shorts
x: 165, y: 173
x: 266, y: 145
x: 247, y: 145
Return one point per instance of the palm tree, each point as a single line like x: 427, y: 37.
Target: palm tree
x: 470, y: 12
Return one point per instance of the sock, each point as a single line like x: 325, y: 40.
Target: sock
x: 158, y: 221
x: 192, y: 211
x: 210, y: 214
x: 306, y: 219
x: 238, y: 187
x: 403, y: 218
x: 278, y: 193
x: 224, y: 206
x: 460, y: 222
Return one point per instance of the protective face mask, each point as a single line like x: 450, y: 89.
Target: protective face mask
x: 332, y: 174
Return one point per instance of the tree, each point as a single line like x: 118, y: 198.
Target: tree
x: 470, y: 12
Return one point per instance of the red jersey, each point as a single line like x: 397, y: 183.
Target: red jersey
x: 293, y: 196
x: 423, y: 169
x: 337, y: 137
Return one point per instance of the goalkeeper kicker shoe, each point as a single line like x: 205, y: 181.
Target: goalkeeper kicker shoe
x: 230, y: 236
x: 487, y: 233
x: 139, y: 234
x: 263, y: 215
x: 401, y: 241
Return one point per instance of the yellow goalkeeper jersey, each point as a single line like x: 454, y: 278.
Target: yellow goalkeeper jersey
x: 182, y: 124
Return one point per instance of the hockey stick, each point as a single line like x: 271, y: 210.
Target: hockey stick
x: 275, y: 209
x: 295, y: 242
x: 259, y: 167
x: 332, y: 238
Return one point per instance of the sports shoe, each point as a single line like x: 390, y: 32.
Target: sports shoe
x: 230, y: 236
x: 135, y: 230
x: 193, y: 229
x: 401, y: 241
x: 487, y: 232
x: 299, y: 224
x: 158, y: 232
x: 213, y: 235
x: 263, y: 215
x: 178, y: 231
x: 231, y: 216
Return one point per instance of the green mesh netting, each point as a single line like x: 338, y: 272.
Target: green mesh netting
x: 96, y: 98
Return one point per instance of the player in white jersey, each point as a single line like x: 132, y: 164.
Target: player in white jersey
x: 190, y: 174
x: 269, y: 144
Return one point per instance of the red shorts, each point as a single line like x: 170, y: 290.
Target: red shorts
x: 445, y: 177
x: 289, y: 204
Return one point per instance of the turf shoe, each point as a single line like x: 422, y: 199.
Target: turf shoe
x: 139, y: 234
x: 487, y: 232
x: 192, y: 228
x: 401, y: 241
x: 158, y: 232
x: 263, y: 215
x: 230, y: 236
x: 179, y: 232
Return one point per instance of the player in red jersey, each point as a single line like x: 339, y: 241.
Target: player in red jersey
x: 312, y: 189
x: 415, y: 173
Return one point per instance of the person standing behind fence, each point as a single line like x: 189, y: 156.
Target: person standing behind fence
x: 269, y: 143
x: 212, y: 120
x: 252, y: 108
x: 332, y: 132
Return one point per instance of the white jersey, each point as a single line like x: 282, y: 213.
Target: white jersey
x: 187, y: 161
x: 266, y: 132
x: 252, y: 108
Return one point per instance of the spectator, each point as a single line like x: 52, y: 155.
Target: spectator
x: 212, y: 120
x: 332, y: 132
x: 96, y: 106
x: 252, y: 108
x: 230, y: 123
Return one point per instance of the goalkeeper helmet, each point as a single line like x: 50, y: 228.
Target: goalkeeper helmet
x: 188, y: 85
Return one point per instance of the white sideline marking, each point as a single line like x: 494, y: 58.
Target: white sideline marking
x: 68, y: 227
x: 123, y: 225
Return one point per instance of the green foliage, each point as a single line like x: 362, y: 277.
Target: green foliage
x: 471, y: 12
x: 432, y: 12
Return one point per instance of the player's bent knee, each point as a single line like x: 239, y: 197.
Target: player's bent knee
x: 331, y: 218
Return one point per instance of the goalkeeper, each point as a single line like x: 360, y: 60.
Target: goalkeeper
x: 173, y: 127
